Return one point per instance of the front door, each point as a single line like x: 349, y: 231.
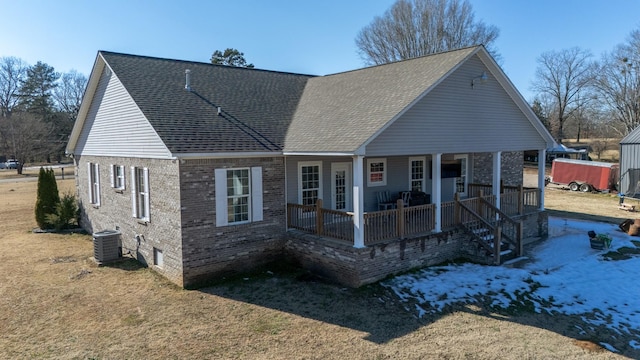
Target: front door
x: 341, y: 186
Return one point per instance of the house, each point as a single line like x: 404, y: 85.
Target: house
x: 630, y: 164
x: 207, y: 169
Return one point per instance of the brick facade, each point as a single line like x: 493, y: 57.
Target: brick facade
x: 511, y: 168
x: 183, y: 225
x: 209, y: 250
x: 115, y: 211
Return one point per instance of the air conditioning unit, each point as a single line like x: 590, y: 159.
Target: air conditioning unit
x: 106, y: 246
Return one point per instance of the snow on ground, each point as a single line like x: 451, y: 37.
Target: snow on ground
x: 563, y: 275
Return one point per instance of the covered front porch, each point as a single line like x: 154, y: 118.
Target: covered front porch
x: 476, y: 212
x: 354, y: 216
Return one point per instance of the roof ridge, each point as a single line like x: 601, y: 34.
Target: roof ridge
x: 201, y: 63
x: 405, y: 60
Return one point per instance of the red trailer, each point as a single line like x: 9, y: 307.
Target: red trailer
x: 585, y: 175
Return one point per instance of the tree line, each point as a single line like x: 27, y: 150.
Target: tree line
x: 575, y: 95
x: 578, y: 96
x: 38, y: 107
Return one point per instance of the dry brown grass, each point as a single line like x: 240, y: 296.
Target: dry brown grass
x: 610, y: 146
x: 55, y: 303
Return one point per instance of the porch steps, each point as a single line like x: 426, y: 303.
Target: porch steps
x: 484, y: 238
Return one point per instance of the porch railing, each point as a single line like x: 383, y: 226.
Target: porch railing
x: 408, y: 221
x: 514, y: 200
x: 317, y: 220
x: 399, y: 222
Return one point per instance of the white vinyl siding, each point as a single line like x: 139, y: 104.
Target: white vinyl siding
x: 238, y: 195
x: 417, y: 168
x: 454, y: 118
x: 140, y: 196
x: 117, y: 177
x: 309, y: 182
x: 376, y: 172
x: 93, y: 174
x: 115, y: 126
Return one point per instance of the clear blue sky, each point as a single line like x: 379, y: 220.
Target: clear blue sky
x: 305, y: 36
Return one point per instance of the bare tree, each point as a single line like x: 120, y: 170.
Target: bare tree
x: 68, y: 97
x: 12, y: 72
x: 599, y: 147
x: 24, y: 137
x: 68, y: 93
x: 581, y: 122
x: 412, y: 28
x: 618, y: 83
x: 564, y: 76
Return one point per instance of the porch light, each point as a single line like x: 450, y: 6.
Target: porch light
x: 483, y: 78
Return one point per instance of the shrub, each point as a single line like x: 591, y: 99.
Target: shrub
x: 47, y: 197
x: 65, y: 215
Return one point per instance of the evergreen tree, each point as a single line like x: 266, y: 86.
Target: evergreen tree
x: 41, y: 216
x: 230, y: 57
x: 36, y: 90
x: 47, y: 197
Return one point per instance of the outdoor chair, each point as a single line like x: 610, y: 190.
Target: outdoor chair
x: 406, y: 198
x: 384, y: 201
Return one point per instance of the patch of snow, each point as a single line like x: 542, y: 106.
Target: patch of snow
x: 564, y: 275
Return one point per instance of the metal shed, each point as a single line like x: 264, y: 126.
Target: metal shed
x: 630, y: 164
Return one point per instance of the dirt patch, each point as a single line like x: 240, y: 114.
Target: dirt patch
x: 66, y: 309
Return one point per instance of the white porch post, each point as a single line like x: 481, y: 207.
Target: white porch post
x: 358, y: 201
x: 496, y: 176
x: 436, y: 189
x: 542, y: 159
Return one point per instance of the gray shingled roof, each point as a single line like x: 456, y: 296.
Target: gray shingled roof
x: 273, y: 111
x: 339, y: 113
x: 257, y: 105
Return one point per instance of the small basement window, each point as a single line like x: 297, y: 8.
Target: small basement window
x: 158, y: 257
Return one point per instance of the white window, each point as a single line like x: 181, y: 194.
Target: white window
x: 462, y: 182
x: 93, y: 174
x: 309, y: 182
x: 117, y: 177
x: 238, y: 195
x: 416, y: 173
x: 376, y: 172
x: 140, y: 193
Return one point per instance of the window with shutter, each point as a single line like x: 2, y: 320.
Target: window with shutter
x: 93, y: 174
x: 238, y: 195
x: 140, y: 199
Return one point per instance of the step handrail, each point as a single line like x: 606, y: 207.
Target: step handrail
x: 483, y: 221
x: 506, y: 218
x: 517, y: 241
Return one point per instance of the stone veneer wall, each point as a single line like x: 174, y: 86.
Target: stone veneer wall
x: 535, y: 226
x: 209, y: 251
x: 138, y: 238
x: 355, y: 267
x: 512, y: 163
